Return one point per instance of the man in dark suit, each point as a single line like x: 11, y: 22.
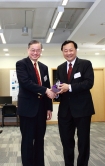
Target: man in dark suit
x: 76, y: 106
x: 34, y: 104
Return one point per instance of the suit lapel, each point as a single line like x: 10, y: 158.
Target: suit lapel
x: 41, y: 72
x: 31, y: 69
x: 64, y: 70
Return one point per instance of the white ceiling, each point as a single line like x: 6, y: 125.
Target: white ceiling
x: 81, y: 22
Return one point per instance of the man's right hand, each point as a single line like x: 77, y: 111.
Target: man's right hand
x: 50, y: 93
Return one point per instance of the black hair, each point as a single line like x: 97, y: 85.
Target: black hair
x: 67, y: 42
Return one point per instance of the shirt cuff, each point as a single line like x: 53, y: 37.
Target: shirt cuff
x: 70, y: 89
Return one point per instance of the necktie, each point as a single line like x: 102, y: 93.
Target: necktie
x: 69, y: 71
x: 37, y: 74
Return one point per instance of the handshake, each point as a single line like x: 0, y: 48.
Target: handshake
x: 53, y: 92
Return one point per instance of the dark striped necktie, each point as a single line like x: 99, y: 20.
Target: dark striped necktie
x: 69, y: 71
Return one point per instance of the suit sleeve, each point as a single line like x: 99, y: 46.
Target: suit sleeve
x: 86, y: 81
x: 49, y: 101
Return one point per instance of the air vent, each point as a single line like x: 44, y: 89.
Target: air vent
x: 25, y: 31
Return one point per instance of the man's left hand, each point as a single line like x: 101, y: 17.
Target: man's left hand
x: 49, y: 115
x: 63, y: 88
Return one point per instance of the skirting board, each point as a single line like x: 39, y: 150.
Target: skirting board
x: 52, y: 122
x: 14, y: 123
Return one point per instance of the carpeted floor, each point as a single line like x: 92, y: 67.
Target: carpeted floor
x: 10, y: 141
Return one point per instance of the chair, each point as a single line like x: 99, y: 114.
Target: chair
x: 9, y: 111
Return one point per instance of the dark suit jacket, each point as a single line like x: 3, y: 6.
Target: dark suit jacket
x: 29, y: 90
x: 79, y: 100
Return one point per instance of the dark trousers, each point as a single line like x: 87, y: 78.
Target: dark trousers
x: 67, y: 126
x: 32, y: 144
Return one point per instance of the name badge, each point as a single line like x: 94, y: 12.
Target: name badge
x: 45, y: 78
x: 77, y: 75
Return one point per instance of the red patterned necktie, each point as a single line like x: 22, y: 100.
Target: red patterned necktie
x: 37, y: 74
x: 69, y: 71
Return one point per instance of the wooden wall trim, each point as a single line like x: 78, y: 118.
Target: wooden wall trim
x: 51, y: 122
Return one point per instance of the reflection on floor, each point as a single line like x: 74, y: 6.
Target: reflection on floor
x: 10, y: 140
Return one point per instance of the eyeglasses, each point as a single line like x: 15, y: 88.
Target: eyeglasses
x: 37, y: 51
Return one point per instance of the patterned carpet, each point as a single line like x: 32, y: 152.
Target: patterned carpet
x: 10, y: 141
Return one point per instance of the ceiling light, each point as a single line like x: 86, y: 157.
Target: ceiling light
x: 97, y: 53
x: 57, y: 17
x: 2, y: 36
x: 7, y: 54
x: 64, y: 2
x: 5, y: 49
x: 49, y: 35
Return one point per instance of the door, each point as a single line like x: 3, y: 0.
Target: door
x: 98, y: 95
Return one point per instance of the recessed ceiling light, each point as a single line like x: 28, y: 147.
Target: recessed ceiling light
x: 5, y: 49
x: 7, y: 54
x: 97, y: 53
x: 77, y: 49
x: 42, y: 49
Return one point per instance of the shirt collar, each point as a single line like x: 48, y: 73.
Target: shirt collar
x: 71, y: 62
x: 34, y: 62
